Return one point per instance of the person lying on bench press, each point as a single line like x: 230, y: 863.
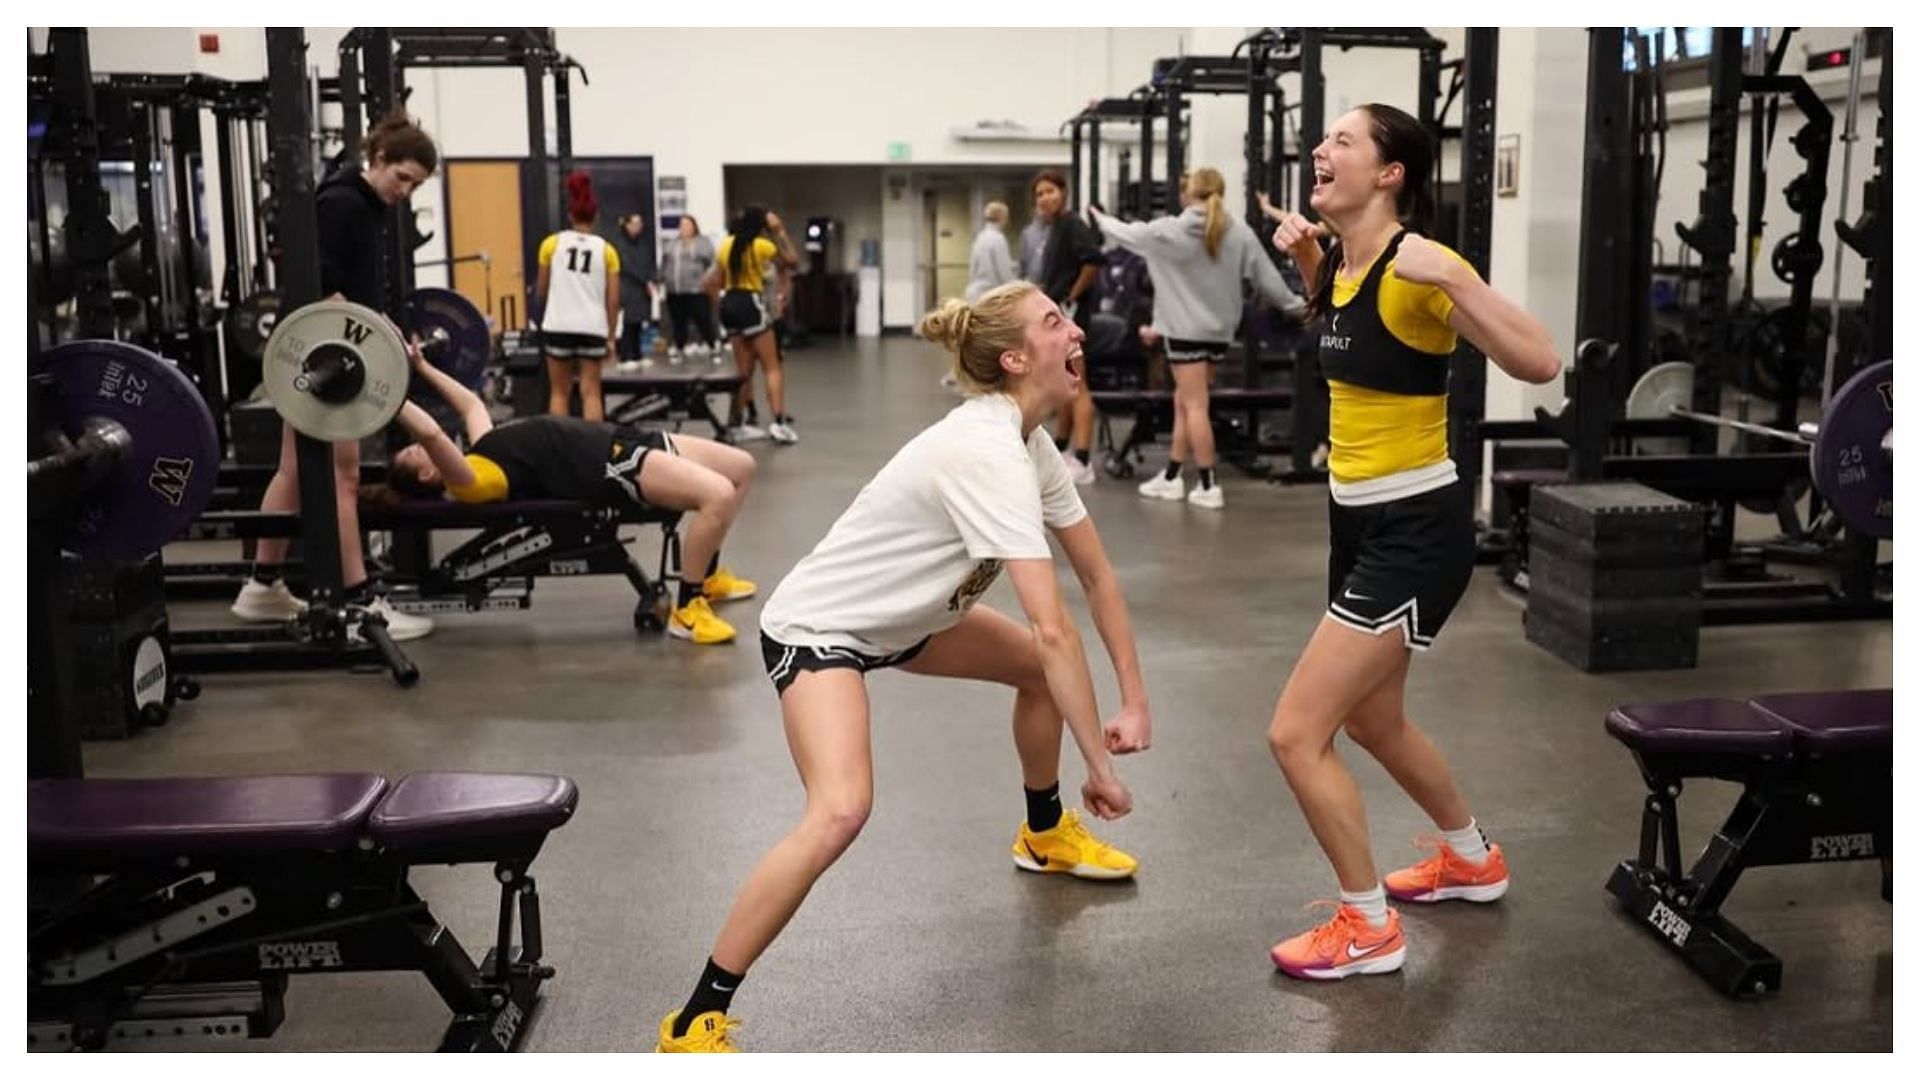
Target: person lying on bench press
x: 560, y: 457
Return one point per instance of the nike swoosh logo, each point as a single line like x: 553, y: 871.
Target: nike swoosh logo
x: 1351, y: 955
x: 724, y: 989
x: 1351, y: 595
x: 1037, y: 857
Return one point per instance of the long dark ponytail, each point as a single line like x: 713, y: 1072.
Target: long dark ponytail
x: 748, y: 227
x: 1398, y: 137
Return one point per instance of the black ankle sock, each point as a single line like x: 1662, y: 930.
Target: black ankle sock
x: 1206, y: 479
x: 1043, y: 807
x: 713, y: 564
x: 713, y: 994
x: 1060, y: 443
x: 688, y: 590
x: 264, y: 574
x: 359, y: 594
x: 1173, y: 469
x: 1085, y: 456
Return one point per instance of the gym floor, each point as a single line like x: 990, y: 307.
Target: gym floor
x: 924, y: 937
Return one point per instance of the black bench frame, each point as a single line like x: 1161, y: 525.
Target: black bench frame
x: 1152, y: 413
x: 493, y: 571
x: 1794, y: 808
x: 213, y: 940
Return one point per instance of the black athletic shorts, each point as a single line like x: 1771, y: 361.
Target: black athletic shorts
x: 625, y: 460
x: 564, y: 346
x: 1402, y: 564
x: 786, y: 662
x: 1185, y: 351
x: 744, y: 314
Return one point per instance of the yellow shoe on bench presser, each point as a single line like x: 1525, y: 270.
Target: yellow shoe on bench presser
x: 722, y: 585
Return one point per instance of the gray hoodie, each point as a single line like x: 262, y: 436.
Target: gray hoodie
x: 1196, y: 298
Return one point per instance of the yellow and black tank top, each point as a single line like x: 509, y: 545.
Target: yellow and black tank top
x: 1385, y: 349
x: 538, y: 457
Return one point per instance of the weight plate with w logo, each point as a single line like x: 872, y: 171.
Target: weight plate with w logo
x: 166, y: 477
x: 336, y: 371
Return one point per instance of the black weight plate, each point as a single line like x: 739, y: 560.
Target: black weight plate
x: 469, y: 343
x: 168, y: 477
x: 250, y: 323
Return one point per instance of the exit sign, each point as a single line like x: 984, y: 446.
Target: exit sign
x: 899, y: 151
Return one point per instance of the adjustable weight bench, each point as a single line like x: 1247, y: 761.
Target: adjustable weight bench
x: 201, y: 897
x: 518, y: 542
x: 1152, y: 413
x: 1817, y: 777
x: 669, y: 393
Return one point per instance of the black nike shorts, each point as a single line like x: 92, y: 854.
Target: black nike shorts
x: 1184, y: 351
x: 744, y: 313
x: 628, y: 456
x: 786, y: 662
x: 564, y: 346
x: 1402, y: 564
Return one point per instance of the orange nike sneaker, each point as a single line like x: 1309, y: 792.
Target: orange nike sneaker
x: 1346, y: 945
x: 1447, y: 876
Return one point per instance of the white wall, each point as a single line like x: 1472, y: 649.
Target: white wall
x: 1541, y: 97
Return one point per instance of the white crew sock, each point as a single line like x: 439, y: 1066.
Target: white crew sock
x: 1468, y: 843
x: 1372, y: 903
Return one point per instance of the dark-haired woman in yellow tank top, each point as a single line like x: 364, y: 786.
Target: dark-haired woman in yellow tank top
x: 1391, y: 305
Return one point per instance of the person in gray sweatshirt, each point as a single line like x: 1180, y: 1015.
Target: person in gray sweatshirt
x: 990, y: 264
x: 1198, y: 261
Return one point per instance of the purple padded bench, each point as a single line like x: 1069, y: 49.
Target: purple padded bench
x: 1816, y: 771
x: 176, y: 907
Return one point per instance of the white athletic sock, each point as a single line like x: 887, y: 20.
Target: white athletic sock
x: 1468, y: 843
x: 1372, y: 903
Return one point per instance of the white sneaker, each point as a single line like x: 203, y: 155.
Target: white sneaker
x: 400, y: 625
x: 267, y: 603
x: 627, y: 365
x: 782, y: 433
x: 1207, y: 498
x: 1161, y: 487
x: 673, y: 355
x: 748, y: 433
x: 1081, y: 474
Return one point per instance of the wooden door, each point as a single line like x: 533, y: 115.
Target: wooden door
x: 483, y: 215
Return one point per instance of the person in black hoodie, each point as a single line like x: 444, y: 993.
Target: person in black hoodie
x: 351, y: 208
x: 636, y: 286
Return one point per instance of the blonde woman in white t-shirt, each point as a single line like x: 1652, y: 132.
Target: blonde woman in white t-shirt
x: 894, y: 584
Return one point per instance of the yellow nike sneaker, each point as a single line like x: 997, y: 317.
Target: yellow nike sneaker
x: 697, y: 623
x: 706, y: 1035
x: 1068, y: 848
x: 722, y: 584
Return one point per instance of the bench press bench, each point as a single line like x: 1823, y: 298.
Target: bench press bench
x: 1152, y: 413
x: 201, y: 897
x: 518, y: 542
x: 1816, y: 771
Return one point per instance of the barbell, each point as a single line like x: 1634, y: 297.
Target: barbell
x: 132, y: 443
x: 1851, y: 448
x: 456, y: 335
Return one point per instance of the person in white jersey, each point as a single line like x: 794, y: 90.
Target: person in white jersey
x: 579, y: 293
x: 894, y: 584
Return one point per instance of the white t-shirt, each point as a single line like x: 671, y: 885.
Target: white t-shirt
x: 928, y: 534
x: 577, y: 264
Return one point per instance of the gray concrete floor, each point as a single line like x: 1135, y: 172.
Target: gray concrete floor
x: 925, y: 937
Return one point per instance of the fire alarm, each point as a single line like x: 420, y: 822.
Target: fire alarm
x: 209, y: 43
